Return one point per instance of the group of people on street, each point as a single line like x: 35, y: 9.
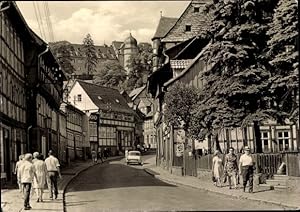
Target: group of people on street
x: 100, y: 154
x: 33, y: 173
x: 232, y: 170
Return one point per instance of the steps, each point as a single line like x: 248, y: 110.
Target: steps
x: 276, y: 182
x: 279, y: 182
x: 280, y: 177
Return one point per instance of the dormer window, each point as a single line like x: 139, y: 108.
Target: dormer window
x: 148, y: 109
x: 188, y: 28
x: 196, y: 9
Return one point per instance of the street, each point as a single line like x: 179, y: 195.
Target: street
x: 118, y: 187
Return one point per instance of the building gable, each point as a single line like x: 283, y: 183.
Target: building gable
x: 80, y: 99
x: 190, y: 23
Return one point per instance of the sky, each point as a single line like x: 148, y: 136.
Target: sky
x: 106, y: 21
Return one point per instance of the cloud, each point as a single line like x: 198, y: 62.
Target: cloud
x: 107, y: 20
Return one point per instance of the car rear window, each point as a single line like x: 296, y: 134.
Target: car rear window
x: 134, y: 153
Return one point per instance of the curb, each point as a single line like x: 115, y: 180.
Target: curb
x: 79, y: 172
x: 222, y: 193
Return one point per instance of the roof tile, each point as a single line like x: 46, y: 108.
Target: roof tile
x: 106, y: 98
x: 165, y: 24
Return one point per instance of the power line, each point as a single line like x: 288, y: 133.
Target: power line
x: 50, y: 23
x: 47, y: 21
x: 36, y: 15
x: 40, y: 17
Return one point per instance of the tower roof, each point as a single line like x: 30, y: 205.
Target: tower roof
x: 130, y: 41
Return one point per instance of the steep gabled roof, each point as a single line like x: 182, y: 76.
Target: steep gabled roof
x: 134, y: 93
x: 198, y: 21
x: 164, y: 25
x: 106, y: 98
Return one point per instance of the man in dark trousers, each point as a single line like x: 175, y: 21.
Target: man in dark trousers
x: 100, y: 155
x: 246, y: 169
x: 53, y: 169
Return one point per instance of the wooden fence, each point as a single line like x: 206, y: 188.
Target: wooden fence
x: 293, y: 164
x: 265, y: 163
x: 178, y: 161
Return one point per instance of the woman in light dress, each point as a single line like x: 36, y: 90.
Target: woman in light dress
x: 41, y: 173
x: 217, y: 168
x: 17, y: 168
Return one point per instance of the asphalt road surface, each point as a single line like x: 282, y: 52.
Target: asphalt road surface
x: 115, y: 186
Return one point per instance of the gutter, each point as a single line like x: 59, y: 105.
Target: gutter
x: 5, y: 8
x: 44, y: 52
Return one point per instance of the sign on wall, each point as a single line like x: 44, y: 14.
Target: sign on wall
x: 179, y: 148
x: 93, y: 117
x: 179, y: 136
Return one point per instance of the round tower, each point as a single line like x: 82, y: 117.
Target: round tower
x: 130, y: 48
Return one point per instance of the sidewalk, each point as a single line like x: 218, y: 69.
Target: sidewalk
x: 291, y: 200
x: 11, y: 199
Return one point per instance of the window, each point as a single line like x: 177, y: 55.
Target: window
x: 148, y: 109
x: 79, y: 98
x: 283, y: 140
x: 196, y: 9
x: 188, y: 28
x: 265, y: 140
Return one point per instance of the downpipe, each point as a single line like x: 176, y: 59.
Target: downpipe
x: 39, y: 56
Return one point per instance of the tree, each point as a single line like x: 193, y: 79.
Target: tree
x: 179, y: 100
x: 236, y: 89
x: 62, y: 51
x: 91, y: 59
x: 140, y: 67
x: 283, y: 56
x: 111, y: 74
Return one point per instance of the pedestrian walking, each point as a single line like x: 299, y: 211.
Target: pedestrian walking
x: 53, y: 168
x: 94, y: 156
x: 246, y: 169
x: 126, y: 155
x: 100, y: 155
x: 35, y: 157
x: 41, y: 173
x: 17, y: 168
x: 217, y: 168
x: 105, y: 153
x: 26, y: 175
x: 231, y: 167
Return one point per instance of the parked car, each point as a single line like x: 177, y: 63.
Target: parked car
x: 134, y: 157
